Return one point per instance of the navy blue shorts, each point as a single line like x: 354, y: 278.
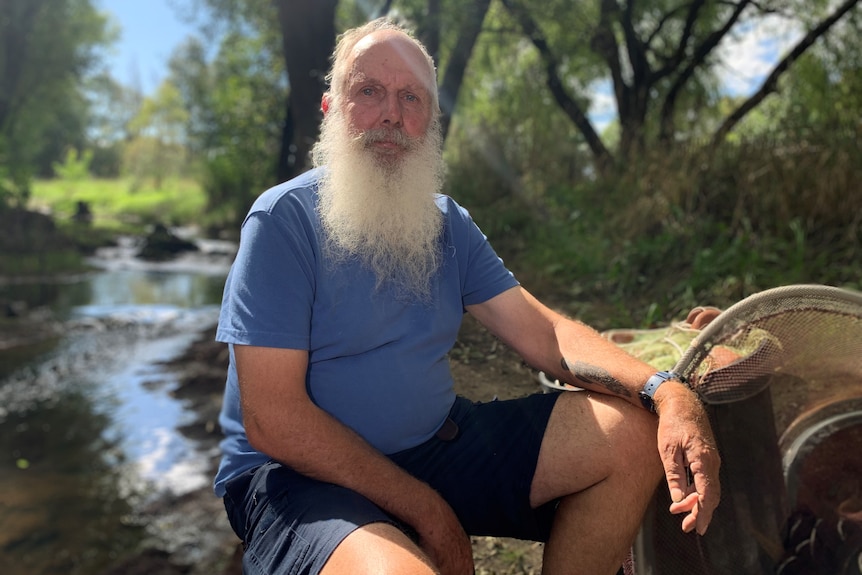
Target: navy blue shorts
x: 290, y: 524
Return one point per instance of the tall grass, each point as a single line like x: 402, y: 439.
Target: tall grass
x: 678, y: 229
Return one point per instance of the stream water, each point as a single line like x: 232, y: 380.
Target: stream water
x: 88, y: 426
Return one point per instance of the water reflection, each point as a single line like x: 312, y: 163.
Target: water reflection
x: 88, y: 427
x: 154, y: 288
x: 67, y: 491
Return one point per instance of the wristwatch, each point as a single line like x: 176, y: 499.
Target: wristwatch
x: 652, y: 384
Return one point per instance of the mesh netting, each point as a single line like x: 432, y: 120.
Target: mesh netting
x: 782, y: 374
x: 811, y: 335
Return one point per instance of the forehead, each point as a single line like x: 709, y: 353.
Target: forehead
x: 389, y: 55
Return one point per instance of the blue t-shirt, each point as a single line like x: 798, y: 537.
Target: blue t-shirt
x: 377, y: 363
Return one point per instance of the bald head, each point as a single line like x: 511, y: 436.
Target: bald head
x: 371, y: 39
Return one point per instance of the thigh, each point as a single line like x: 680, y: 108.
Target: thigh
x: 291, y: 524
x: 486, y: 472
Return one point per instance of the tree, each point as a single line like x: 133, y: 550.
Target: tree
x: 157, y: 147
x: 303, y: 33
x: 234, y: 108
x: 308, y: 38
x: 47, y: 50
x: 657, y: 55
x: 112, y: 107
x: 465, y: 19
x: 770, y: 85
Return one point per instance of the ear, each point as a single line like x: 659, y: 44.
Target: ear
x: 324, y: 103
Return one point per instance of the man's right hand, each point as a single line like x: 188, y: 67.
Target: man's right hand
x: 443, y: 538
x: 686, y: 442
x: 273, y: 383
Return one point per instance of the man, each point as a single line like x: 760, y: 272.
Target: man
x: 346, y: 450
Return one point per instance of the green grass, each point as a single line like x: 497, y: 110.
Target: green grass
x: 119, y: 204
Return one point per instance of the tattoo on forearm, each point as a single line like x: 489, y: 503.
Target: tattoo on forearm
x: 596, y: 375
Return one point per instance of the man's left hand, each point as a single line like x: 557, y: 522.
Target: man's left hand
x: 689, y: 455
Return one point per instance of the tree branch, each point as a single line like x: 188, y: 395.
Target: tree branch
x: 468, y: 32
x: 697, y: 59
x: 555, y: 84
x: 770, y: 85
x: 604, y: 43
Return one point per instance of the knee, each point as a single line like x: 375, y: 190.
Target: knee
x: 378, y: 548
x: 634, y: 441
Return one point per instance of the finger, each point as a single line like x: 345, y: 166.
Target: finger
x: 690, y: 521
x: 708, y: 497
x: 691, y: 506
x: 704, y: 316
x: 685, y: 505
x: 675, y: 474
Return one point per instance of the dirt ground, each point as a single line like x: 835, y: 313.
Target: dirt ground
x: 191, y: 534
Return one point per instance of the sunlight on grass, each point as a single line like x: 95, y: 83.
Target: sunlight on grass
x: 122, y: 202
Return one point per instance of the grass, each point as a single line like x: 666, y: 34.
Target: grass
x: 117, y: 206
x: 121, y: 204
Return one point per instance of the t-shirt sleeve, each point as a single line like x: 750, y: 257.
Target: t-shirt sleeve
x: 483, y: 273
x: 268, y: 294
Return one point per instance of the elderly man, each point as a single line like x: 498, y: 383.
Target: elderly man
x: 346, y: 449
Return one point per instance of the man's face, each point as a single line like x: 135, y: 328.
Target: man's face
x: 381, y: 145
x: 388, y: 98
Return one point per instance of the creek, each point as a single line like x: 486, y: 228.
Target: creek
x: 88, y: 425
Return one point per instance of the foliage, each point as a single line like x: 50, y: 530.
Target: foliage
x: 49, y: 47
x: 157, y: 146
x: 113, y: 108
x: 76, y: 166
x: 682, y: 230
x: 659, y: 58
x: 823, y: 95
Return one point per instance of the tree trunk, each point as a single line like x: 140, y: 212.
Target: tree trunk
x: 567, y: 103
x: 17, y: 20
x: 429, y: 30
x: 468, y: 33
x: 308, y: 38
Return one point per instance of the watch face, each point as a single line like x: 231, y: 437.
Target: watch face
x: 647, y: 401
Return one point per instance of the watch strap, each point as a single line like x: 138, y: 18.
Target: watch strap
x: 653, y: 383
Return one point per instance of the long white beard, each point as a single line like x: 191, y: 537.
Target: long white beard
x: 380, y: 208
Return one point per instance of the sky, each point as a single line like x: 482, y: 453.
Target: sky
x: 149, y: 32
x: 151, y: 29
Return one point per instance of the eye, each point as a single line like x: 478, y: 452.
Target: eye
x: 367, y: 91
x: 411, y: 98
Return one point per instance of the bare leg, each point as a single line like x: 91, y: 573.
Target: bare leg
x: 378, y: 549
x: 599, y: 455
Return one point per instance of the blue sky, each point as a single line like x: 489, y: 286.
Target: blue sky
x: 149, y: 32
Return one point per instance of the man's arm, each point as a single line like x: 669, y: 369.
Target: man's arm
x: 566, y: 349
x: 574, y: 353
x: 281, y: 421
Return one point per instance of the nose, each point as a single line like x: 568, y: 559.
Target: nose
x: 391, y: 111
